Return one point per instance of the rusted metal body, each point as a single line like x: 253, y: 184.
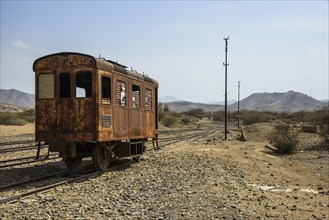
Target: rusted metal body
x: 81, y: 99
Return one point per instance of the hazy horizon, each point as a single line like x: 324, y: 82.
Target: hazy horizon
x: 274, y: 46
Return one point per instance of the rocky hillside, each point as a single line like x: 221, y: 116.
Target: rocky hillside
x: 182, y: 106
x: 17, y: 98
x: 276, y: 102
x: 279, y: 102
x: 12, y: 108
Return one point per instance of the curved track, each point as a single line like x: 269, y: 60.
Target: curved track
x: 166, y: 138
x: 47, y: 187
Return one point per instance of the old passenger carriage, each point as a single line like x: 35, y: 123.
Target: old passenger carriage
x: 87, y: 106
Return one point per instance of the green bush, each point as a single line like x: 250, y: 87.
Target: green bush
x: 185, y: 119
x: 253, y: 117
x: 322, y: 120
x: 163, y: 110
x: 220, y: 116
x: 196, y: 112
x: 168, y: 120
x: 284, y: 138
x: 17, y: 118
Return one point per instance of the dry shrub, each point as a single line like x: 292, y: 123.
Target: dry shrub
x: 185, y: 119
x: 322, y: 120
x: 284, y: 138
x: 196, y: 112
x: 253, y: 117
x: 309, y: 129
x: 168, y: 120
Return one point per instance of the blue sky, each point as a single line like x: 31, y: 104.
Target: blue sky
x: 274, y: 46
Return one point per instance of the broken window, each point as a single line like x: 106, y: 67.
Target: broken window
x: 64, y: 85
x: 148, y: 99
x: 46, y: 86
x: 135, y: 96
x: 83, y: 85
x: 120, y: 88
x: 106, y: 89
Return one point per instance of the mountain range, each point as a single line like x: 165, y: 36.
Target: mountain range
x: 16, y: 97
x: 290, y: 101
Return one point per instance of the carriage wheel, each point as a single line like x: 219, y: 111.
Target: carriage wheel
x: 100, y: 159
x: 73, y: 162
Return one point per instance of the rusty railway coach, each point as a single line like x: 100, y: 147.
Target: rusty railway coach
x: 87, y: 106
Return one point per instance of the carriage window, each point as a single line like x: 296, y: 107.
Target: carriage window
x: 148, y: 99
x: 83, y: 85
x: 135, y: 96
x: 46, y: 86
x: 106, y: 89
x: 65, y: 85
x: 120, y: 98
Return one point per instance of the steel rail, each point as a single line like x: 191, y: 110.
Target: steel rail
x: 70, y: 181
x: 34, y: 180
x: 182, y: 139
x: 17, y: 142
x: 28, y: 162
x: 26, y: 158
x: 22, y: 148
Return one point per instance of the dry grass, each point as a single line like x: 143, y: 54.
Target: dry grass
x: 12, y: 130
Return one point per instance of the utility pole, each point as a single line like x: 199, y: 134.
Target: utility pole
x: 226, y: 64
x: 238, y: 104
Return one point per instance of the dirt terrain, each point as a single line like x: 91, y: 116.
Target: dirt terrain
x: 205, y: 178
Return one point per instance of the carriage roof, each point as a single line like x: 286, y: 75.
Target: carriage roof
x: 98, y: 63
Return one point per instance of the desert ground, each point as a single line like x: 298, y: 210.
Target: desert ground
x: 204, y: 178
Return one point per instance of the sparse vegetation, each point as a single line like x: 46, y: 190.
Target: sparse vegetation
x: 220, y: 116
x: 168, y: 120
x: 185, y: 119
x: 196, y: 112
x: 284, y: 138
x: 252, y: 117
x: 322, y: 120
x: 17, y: 118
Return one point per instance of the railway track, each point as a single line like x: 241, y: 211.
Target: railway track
x: 171, y: 140
x: 27, y: 160
x: 13, y: 146
x: 169, y: 137
x: 189, y: 134
x: 47, y: 187
x: 25, y: 147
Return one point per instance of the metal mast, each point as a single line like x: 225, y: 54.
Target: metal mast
x: 226, y: 64
x: 238, y: 104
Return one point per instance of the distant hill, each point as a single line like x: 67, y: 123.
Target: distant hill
x: 182, y: 106
x: 169, y: 99
x: 12, y: 108
x: 279, y: 102
x: 229, y: 102
x: 17, y: 98
x: 276, y: 102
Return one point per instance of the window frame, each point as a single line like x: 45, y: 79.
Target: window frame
x: 51, y: 85
x: 88, y: 94
x: 68, y: 84
x: 109, y: 99
x: 118, y: 93
x: 138, y: 101
x: 148, y: 99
